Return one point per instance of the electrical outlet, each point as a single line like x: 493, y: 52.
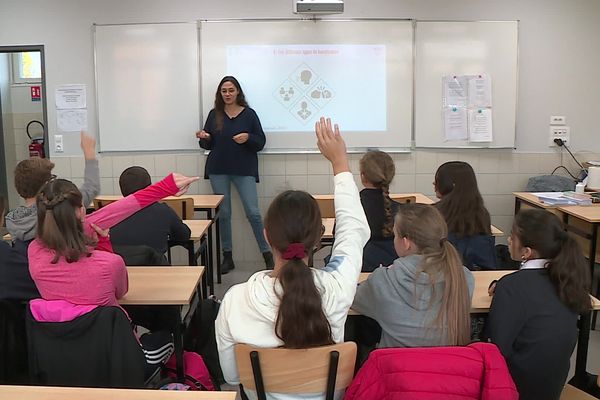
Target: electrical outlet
x: 58, y: 144
x: 558, y: 120
x: 559, y: 132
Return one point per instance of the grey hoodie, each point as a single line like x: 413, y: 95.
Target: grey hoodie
x: 399, y: 298
x: 21, y: 222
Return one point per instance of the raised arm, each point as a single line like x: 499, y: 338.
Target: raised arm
x: 91, y: 175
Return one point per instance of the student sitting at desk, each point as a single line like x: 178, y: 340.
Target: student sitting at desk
x: 424, y: 298
x: 152, y: 226
x: 31, y: 175
x: 71, y: 261
x: 377, y: 170
x: 534, y: 311
x: 469, y: 224
x: 295, y: 306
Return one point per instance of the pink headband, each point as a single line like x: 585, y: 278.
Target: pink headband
x: 294, y: 251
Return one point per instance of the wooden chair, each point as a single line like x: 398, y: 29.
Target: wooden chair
x: 183, y: 206
x: 98, y: 204
x: 316, y: 370
x: 327, y: 206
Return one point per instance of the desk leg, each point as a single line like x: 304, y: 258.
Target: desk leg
x: 210, y: 268
x: 592, y: 256
x: 218, y: 244
x: 191, y: 254
x: 178, y: 344
x: 581, y: 377
x: 204, y: 260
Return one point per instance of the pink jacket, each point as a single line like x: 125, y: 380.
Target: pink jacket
x: 101, y: 278
x: 474, y: 372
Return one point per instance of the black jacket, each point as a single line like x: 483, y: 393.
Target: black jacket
x: 15, y: 280
x: 97, y: 349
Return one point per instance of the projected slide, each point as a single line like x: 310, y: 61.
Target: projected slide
x: 291, y: 86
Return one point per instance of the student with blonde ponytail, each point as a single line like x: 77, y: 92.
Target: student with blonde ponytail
x: 377, y: 170
x: 424, y: 297
x: 534, y: 312
x: 295, y: 306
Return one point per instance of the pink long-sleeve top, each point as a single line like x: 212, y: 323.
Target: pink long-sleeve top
x: 101, y: 278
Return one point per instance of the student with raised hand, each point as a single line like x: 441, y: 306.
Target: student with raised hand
x: 71, y: 257
x: 534, y: 311
x: 424, y: 297
x: 295, y: 306
x: 153, y: 226
x: 469, y: 224
x: 377, y: 171
x: 31, y: 174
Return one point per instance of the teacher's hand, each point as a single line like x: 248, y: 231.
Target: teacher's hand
x: 240, y: 138
x: 183, y: 182
x: 203, y: 135
x: 331, y: 144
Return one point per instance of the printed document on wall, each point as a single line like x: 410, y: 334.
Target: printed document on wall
x: 455, y: 90
x: 455, y: 123
x: 480, y: 125
x: 71, y: 120
x: 69, y: 97
x: 480, y: 91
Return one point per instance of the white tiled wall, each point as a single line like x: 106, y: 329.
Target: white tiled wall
x: 499, y: 173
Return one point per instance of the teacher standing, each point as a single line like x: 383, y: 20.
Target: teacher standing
x: 234, y: 136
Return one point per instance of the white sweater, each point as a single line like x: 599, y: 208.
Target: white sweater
x: 249, y: 310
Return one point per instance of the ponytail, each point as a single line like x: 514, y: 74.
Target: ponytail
x: 543, y: 232
x: 571, y: 276
x: 388, y: 226
x: 293, y: 227
x: 425, y: 226
x: 301, y: 321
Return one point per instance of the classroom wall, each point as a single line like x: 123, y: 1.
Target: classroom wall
x: 558, y: 55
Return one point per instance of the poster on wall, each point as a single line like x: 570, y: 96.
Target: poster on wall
x: 69, y: 97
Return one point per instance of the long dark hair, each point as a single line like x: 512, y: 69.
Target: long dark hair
x: 59, y: 228
x: 220, y: 104
x: 379, y: 169
x: 543, y: 232
x: 425, y: 226
x: 294, y: 217
x: 461, y: 203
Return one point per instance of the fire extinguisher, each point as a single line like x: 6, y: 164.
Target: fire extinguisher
x: 36, y: 147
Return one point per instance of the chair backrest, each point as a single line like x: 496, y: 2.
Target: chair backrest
x: 327, y: 206
x: 183, y: 206
x: 296, y: 370
x: 99, y: 203
x: 403, y: 199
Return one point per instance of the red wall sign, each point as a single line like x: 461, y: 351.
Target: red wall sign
x: 36, y: 93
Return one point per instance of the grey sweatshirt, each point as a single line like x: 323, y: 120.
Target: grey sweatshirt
x: 399, y: 298
x: 21, y: 222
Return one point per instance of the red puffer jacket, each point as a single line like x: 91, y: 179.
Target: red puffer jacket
x: 474, y: 372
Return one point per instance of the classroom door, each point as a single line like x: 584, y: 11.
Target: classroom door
x: 21, y: 101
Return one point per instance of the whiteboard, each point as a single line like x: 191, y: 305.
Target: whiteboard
x: 147, y: 86
x: 465, y: 48
x: 365, y: 67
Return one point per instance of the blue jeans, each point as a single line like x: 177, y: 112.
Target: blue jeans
x: 246, y: 188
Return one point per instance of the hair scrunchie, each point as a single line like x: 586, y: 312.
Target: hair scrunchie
x: 442, y: 241
x: 294, y: 251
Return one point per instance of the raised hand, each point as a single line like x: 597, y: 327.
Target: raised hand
x: 240, y: 138
x: 183, y: 182
x: 88, y: 145
x: 332, y: 145
x: 203, y: 135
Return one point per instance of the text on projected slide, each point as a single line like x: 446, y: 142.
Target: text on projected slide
x: 292, y: 86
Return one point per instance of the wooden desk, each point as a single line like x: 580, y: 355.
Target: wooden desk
x: 72, y: 393
x: 208, y: 203
x: 172, y: 286
x: 162, y: 285
x: 420, y: 197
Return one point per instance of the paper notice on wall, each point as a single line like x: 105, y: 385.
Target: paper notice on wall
x: 70, y: 97
x: 455, y: 123
x: 455, y: 88
x: 71, y: 120
x: 480, y: 125
x: 480, y: 91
